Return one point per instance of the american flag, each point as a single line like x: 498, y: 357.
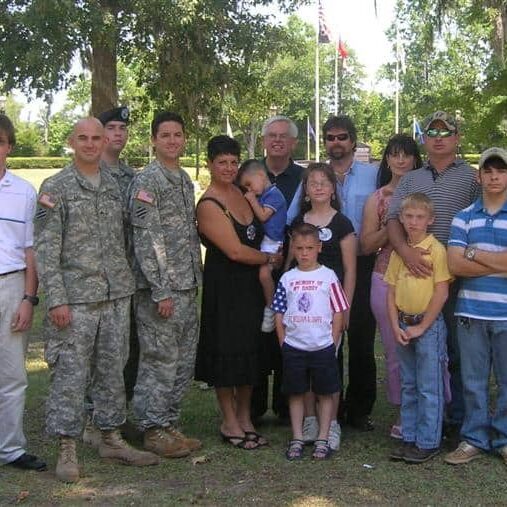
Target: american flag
x: 279, y: 304
x: 47, y: 200
x: 325, y: 34
x: 337, y: 298
x: 145, y: 196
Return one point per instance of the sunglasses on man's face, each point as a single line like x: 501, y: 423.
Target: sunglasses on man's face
x: 336, y: 137
x: 439, y: 133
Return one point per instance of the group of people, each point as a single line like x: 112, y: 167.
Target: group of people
x: 299, y: 251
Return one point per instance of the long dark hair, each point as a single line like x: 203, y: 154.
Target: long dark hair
x: 399, y: 143
x: 327, y: 171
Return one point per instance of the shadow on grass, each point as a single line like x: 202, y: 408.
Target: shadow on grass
x: 236, y: 477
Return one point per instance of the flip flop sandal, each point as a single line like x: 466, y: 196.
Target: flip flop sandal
x: 295, y: 449
x: 238, y: 442
x: 321, y: 450
x: 253, y: 436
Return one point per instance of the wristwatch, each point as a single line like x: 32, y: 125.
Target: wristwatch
x: 32, y: 299
x: 470, y: 253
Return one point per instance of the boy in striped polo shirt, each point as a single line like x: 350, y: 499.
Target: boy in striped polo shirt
x: 477, y: 252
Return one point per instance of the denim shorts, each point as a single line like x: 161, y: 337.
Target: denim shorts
x: 304, y: 370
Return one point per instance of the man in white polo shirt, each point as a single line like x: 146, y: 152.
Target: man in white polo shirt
x: 18, y: 289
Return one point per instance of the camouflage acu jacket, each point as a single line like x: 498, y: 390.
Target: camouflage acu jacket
x: 79, y: 240
x: 166, y: 243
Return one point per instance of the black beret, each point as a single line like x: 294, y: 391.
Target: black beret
x: 116, y: 114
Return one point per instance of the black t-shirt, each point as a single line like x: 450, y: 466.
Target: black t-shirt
x: 331, y: 235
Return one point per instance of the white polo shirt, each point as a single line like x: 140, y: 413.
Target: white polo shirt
x: 17, y: 208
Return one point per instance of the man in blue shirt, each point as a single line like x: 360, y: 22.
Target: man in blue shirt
x: 477, y: 252
x: 356, y: 181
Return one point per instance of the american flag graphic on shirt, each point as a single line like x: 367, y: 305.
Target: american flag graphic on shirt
x: 337, y: 299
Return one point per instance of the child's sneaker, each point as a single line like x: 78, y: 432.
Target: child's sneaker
x: 334, y: 436
x: 310, y: 429
x: 396, y: 432
x: 268, y: 322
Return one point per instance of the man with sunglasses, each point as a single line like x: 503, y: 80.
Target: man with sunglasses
x: 356, y: 182
x: 452, y: 185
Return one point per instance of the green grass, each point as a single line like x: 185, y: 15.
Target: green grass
x: 37, y: 176
x: 237, y: 477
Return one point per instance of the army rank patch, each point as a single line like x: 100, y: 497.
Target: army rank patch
x: 140, y: 211
x: 144, y: 196
x: 41, y: 213
x: 47, y: 200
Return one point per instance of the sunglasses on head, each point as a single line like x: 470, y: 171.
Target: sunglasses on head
x: 439, y: 133
x: 337, y: 137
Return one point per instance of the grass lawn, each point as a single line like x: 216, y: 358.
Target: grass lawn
x: 360, y: 473
x: 37, y: 176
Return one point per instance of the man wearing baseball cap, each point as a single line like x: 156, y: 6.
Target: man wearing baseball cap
x: 115, y: 122
x: 477, y: 252
x: 452, y: 185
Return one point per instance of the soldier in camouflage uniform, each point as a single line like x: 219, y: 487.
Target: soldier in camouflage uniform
x: 84, y: 273
x: 115, y: 122
x: 168, y: 271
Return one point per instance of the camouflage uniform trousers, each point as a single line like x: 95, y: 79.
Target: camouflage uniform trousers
x: 130, y: 371
x: 167, y: 358
x: 94, y: 346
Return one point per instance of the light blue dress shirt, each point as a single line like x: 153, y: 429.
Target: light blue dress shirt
x: 359, y: 183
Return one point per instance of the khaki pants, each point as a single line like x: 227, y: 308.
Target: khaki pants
x: 13, y: 381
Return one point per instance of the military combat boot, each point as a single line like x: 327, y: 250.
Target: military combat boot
x: 91, y: 435
x: 160, y: 442
x: 113, y: 447
x: 192, y: 444
x: 67, y: 469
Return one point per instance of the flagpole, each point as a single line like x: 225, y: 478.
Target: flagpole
x: 336, y: 81
x: 397, y: 79
x: 307, y: 138
x: 317, y: 91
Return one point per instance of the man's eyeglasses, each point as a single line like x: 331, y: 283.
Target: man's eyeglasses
x: 336, y: 137
x: 439, y: 133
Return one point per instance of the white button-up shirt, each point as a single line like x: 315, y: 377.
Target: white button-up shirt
x: 17, y: 208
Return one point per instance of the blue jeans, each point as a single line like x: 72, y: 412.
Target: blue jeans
x: 456, y: 407
x: 483, y: 343
x: 422, y: 364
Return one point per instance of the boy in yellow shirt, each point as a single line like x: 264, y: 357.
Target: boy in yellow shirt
x: 415, y: 306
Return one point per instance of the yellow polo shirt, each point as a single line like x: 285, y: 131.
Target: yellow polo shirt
x: 414, y: 294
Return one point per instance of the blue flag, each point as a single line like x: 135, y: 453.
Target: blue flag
x: 311, y: 132
x: 418, y: 133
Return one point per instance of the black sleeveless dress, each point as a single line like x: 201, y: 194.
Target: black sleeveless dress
x: 230, y: 349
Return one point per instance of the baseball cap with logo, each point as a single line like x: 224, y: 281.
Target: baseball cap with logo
x: 492, y: 153
x: 446, y: 118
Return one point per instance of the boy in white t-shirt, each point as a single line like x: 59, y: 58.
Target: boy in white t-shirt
x: 308, y: 303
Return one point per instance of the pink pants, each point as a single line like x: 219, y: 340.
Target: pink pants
x: 378, y: 301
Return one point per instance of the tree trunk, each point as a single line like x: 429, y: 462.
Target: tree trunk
x: 251, y: 138
x: 103, y: 61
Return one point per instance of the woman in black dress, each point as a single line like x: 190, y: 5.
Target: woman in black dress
x: 229, y: 355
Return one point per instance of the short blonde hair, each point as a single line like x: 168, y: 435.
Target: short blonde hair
x: 418, y: 200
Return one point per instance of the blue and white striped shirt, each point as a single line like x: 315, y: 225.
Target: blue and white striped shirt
x: 481, y: 297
